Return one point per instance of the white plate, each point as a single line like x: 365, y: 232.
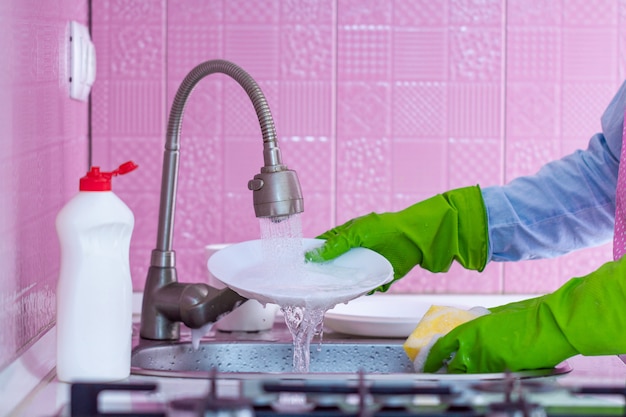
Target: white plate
x: 394, y: 316
x: 244, y: 267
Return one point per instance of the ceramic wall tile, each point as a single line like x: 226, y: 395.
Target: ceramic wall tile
x: 582, y: 108
x: 364, y: 53
x: 311, y: 158
x: 472, y: 110
x: 308, y: 11
x: 189, y: 44
x: 621, y: 24
x: 420, y: 54
x: 45, y: 152
x: 525, y: 156
x: 583, y: 48
x: 538, y: 13
x: 363, y: 109
x: 364, y: 12
x: 305, y: 109
x: 365, y: 166
x: 197, y: 12
x: 318, y: 215
x: 135, y: 108
x: 455, y: 281
x: 146, y: 209
x: 249, y: 159
x: 238, y: 218
x: 474, y: 162
x: 204, y: 112
x: 598, y: 13
x: 532, y: 277
x: 420, y: 13
x: 419, y: 166
x: 581, y: 263
x: 534, y: 53
x: 306, y: 52
x: 476, y: 12
x: 258, y: 12
x: 419, y: 109
x: 255, y: 48
x: 352, y: 204
x: 533, y: 108
x: 136, y: 11
x: 378, y: 104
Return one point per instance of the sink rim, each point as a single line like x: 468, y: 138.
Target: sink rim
x: 146, y: 345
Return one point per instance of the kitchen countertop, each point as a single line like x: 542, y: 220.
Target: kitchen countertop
x: 50, y: 397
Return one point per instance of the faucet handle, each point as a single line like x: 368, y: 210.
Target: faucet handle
x: 255, y: 184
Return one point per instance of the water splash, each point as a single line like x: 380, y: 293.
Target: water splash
x: 198, y: 334
x: 303, y: 323
x: 284, y: 253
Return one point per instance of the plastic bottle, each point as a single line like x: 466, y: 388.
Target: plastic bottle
x: 94, y: 291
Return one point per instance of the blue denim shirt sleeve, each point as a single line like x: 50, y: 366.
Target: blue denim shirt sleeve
x: 568, y: 204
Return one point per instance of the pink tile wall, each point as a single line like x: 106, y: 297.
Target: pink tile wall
x: 44, y: 152
x: 378, y: 104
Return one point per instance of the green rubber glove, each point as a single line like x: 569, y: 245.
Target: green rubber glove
x: 432, y: 233
x: 585, y: 316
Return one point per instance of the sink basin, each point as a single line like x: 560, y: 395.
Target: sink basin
x: 249, y: 359
x: 252, y: 355
x: 263, y: 357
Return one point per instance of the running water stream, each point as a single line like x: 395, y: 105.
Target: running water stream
x: 273, y: 270
x: 284, y: 253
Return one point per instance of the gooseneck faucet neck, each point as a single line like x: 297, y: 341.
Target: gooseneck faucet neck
x: 271, y: 152
x: 276, y: 195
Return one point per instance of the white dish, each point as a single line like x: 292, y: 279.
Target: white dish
x: 244, y: 267
x: 250, y: 316
x: 393, y: 316
x: 397, y: 315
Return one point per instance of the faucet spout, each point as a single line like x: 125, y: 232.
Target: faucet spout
x: 276, y: 195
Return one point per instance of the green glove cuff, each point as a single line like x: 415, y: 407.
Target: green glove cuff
x: 468, y: 243
x: 447, y: 227
x: 432, y: 233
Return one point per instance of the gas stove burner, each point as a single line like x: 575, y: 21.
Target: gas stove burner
x: 510, y: 385
x: 211, y: 404
x: 516, y: 409
x: 283, y: 397
x: 292, y: 403
x: 515, y: 392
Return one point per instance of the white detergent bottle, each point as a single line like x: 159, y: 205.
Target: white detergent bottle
x: 94, y: 291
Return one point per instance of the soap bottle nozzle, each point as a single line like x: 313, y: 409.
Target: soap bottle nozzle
x: 125, y: 168
x: 95, y: 180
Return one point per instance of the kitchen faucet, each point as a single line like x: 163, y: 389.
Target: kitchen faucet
x: 276, y: 195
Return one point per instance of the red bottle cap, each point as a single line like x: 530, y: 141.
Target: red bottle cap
x: 101, y: 181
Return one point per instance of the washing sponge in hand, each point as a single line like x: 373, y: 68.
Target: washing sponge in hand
x: 437, y: 321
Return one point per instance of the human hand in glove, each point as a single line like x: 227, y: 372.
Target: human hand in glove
x: 585, y: 316
x: 432, y: 233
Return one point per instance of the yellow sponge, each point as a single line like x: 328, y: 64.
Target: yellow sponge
x: 438, y: 320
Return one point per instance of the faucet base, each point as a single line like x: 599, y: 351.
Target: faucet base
x: 167, y: 302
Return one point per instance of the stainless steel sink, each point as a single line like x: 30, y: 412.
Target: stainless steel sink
x: 259, y: 355
x: 263, y: 357
x: 249, y: 359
